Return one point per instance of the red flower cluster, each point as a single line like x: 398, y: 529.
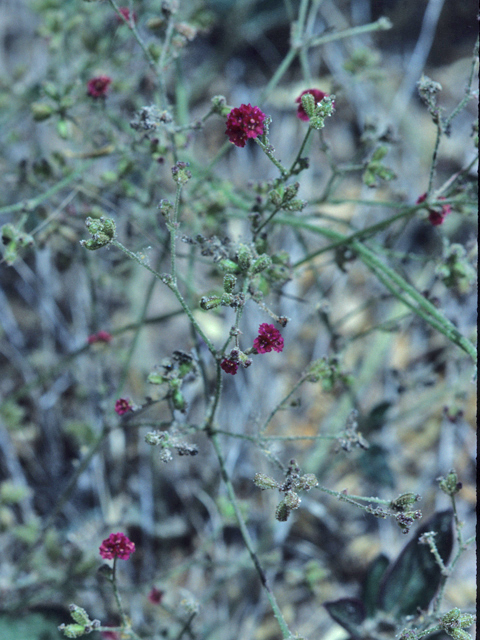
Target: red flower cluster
x: 97, y: 87
x: 268, y: 338
x: 122, y: 406
x: 317, y: 94
x: 126, y: 14
x: 100, y: 336
x: 244, y: 122
x: 229, y: 366
x: 435, y: 216
x: 117, y: 545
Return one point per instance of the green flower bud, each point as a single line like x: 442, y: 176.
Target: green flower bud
x: 72, y: 630
x: 210, y: 303
x: 178, y: 400
x: 79, y: 614
x: 403, y: 502
x: 102, y: 231
x: 229, y: 265
x: 180, y: 173
x: 261, y: 263
x: 282, y: 512
x: 265, y: 482
x: 41, y: 111
x: 244, y: 257
x: 450, y: 485
x: 229, y: 281
x: 156, y: 378
x: 306, y: 482
x: 292, y: 500
x: 227, y: 299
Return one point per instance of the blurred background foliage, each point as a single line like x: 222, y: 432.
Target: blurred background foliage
x: 412, y: 389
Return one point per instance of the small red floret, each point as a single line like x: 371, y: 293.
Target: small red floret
x: 229, y: 366
x: 122, y: 406
x: 97, y: 87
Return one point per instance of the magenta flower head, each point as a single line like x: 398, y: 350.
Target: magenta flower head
x: 97, y: 87
x: 317, y: 94
x: 244, y: 122
x: 122, y: 406
x: 155, y: 596
x: 117, y: 545
x: 100, y: 336
x: 435, y: 216
x: 229, y: 366
x: 268, y: 338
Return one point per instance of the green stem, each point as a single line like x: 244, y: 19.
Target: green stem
x: 382, y: 24
x: 247, y: 539
x: 422, y: 307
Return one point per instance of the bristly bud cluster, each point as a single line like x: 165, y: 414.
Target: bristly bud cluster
x: 294, y: 482
x: 168, y: 441
x: 316, y: 109
x: 173, y: 372
x: 102, y: 232
x: 351, y: 437
x: 450, y: 484
x: 455, y: 621
x: 83, y: 625
x: 428, y: 90
x: 180, y: 172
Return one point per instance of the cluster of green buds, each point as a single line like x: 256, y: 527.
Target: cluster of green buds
x: 14, y: 239
x: 168, y: 440
x: 403, y: 512
x: 318, y: 111
x: 454, y: 622
x: 102, y: 231
x: 294, y: 483
x: 180, y: 173
x: 428, y: 91
x: 375, y: 169
x: 285, y: 198
x: 220, y: 106
x: 173, y: 373
x: 82, y: 626
x: 247, y: 262
x: 455, y: 269
x: 326, y: 371
x: 450, y: 484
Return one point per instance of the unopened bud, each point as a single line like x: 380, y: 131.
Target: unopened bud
x: 263, y: 481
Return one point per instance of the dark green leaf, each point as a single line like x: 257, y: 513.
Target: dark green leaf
x: 375, y: 467
x: 371, y: 586
x: 348, y: 612
x: 414, y: 578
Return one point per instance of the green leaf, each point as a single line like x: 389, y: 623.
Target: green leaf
x: 348, y: 612
x: 414, y: 578
x: 371, y: 586
x: 34, y: 626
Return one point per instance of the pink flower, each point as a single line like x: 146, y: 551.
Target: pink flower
x: 244, y: 122
x: 100, y: 336
x: 122, y: 406
x: 126, y: 14
x: 97, y: 87
x: 317, y: 94
x: 229, y: 366
x: 268, y: 338
x: 435, y: 216
x: 117, y: 545
x: 155, y: 596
